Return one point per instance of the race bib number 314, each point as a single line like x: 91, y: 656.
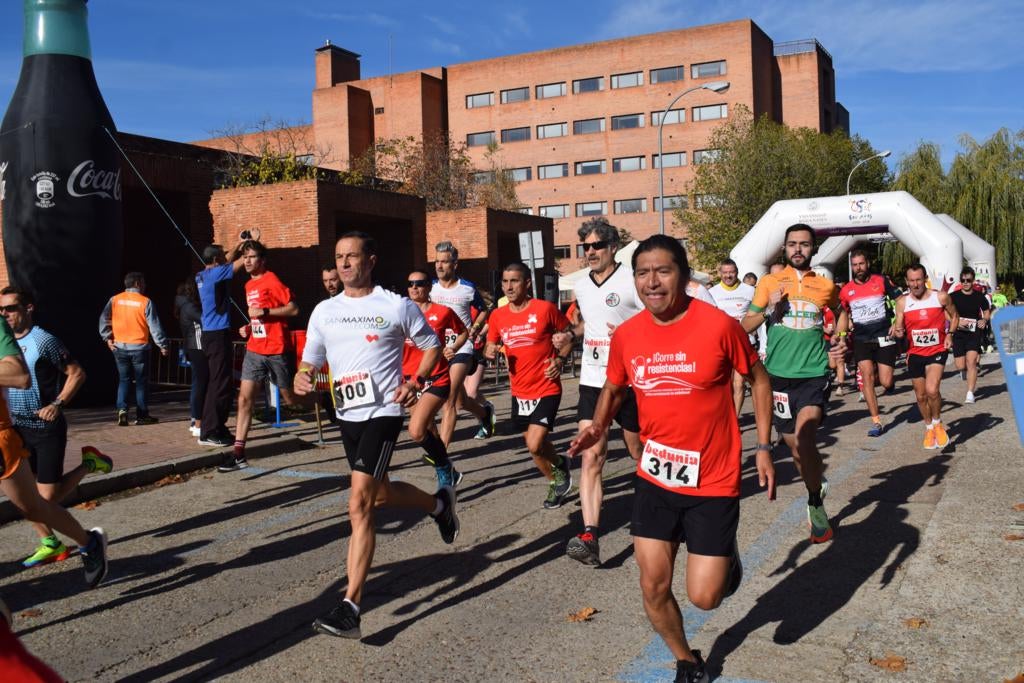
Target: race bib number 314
x: 670, y: 467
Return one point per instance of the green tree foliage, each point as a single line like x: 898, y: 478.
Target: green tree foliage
x: 269, y: 152
x: 920, y: 174
x: 759, y: 163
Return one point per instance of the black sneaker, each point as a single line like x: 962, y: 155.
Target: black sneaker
x: 584, y: 548
x: 216, y: 441
x: 735, y: 573
x: 95, y: 561
x: 487, y: 426
x: 232, y: 464
x: 122, y: 418
x: 447, y: 520
x: 692, y: 672
x: 146, y: 420
x: 341, y: 622
x: 561, y: 484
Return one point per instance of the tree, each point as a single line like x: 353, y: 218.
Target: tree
x: 759, y: 162
x: 268, y: 152
x: 919, y: 173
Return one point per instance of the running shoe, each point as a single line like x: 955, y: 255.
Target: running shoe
x: 341, y: 622
x: 194, y: 431
x: 146, y: 420
x: 481, y: 433
x: 584, y: 548
x: 876, y: 429
x: 821, y: 531
x: 217, y: 441
x: 824, y: 488
x: 840, y: 390
x: 47, y: 552
x: 929, y: 439
x: 692, y: 672
x: 970, y: 397
x: 95, y: 560
x: 232, y: 464
x: 488, y: 424
x: 735, y: 573
x: 447, y: 520
x: 447, y: 476
x: 122, y: 418
x: 941, y: 437
x: 860, y: 397
x: 95, y: 461
x: 561, y: 484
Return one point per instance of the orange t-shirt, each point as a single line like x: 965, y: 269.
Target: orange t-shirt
x: 269, y: 335
x: 682, y: 377
x: 526, y: 335
x: 442, y: 320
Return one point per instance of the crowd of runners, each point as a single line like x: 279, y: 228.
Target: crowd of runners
x: 666, y: 358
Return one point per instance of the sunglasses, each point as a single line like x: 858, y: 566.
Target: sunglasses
x: 966, y: 280
x: 13, y: 308
x: 418, y: 283
x: 596, y: 246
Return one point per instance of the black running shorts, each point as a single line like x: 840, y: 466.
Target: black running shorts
x: 966, y: 341
x: 916, y: 364
x: 872, y: 350
x: 627, y: 416
x: 369, y: 444
x: 540, y: 411
x: 790, y: 396
x: 46, y: 450
x: 706, y: 524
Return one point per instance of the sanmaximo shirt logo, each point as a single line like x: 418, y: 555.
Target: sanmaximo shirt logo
x: 360, y: 322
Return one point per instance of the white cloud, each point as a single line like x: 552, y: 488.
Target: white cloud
x: 444, y: 47
x: 371, y: 18
x: 443, y: 26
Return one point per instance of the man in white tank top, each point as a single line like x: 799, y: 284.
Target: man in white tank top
x: 734, y: 297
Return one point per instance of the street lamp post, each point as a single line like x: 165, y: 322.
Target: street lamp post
x: 714, y: 86
x: 880, y: 155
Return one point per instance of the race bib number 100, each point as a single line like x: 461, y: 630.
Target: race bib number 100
x: 927, y: 337
x: 354, y: 389
x: 671, y: 467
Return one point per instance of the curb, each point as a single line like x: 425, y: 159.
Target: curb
x: 143, y: 475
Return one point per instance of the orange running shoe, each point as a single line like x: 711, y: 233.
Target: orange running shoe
x: 941, y: 437
x: 929, y: 439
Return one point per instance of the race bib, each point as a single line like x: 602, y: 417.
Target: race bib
x: 780, y: 404
x: 885, y: 341
x: 671, y: 467
x: 526, y: 406
x: 258, y: 330
x: 867, y: 311
x: 969, y: 324
x: 354, y: 389
x: 928, y: 337
x: 449, y: 337
x: 595, y: 352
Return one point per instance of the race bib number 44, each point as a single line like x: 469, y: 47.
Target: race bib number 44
x: 670, y: 467
x: 258, y: 330
x: 354, y: 389
x: 927, y: 337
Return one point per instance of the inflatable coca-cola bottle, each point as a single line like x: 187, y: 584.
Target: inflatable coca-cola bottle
x: 60, y: 177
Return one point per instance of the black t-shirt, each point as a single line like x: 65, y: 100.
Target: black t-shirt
x: 969, y: 306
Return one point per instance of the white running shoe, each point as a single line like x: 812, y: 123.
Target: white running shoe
x: 970, y: 397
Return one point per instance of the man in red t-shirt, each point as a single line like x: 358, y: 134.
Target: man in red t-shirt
x: 525, y: 326
x: 269, y: 304
x: 679, y: 356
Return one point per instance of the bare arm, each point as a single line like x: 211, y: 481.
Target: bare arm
x: 608, y: 404
x: 14, y: 373
x: 75, y: 379
x: 761, y: 390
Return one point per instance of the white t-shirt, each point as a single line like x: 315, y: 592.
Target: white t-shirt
x: 613, y: 301
x: 460, y: 298
x: 699, y: 292
x: 362, y: 338
x: 735, y: 303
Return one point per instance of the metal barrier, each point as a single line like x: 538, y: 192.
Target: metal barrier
x: 173, y: 370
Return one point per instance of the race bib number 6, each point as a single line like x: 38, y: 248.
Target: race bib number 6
x: 596, y: 353
x: 928, y: 337
x: 354, y: 389
x: 780, y: 405
x: 670, y: 467
x: 526, y: 406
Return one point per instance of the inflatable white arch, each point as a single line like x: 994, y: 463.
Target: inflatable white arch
x: 979, y: 254
x: 849, y: 219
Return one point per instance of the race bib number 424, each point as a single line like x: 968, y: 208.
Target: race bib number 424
x: 670, y: 467
x: 354, y: 389
x: 927, y: 337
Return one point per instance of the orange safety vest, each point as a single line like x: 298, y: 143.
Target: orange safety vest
x: 128, y: 318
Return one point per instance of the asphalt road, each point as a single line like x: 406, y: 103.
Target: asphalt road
x: 220, y: 576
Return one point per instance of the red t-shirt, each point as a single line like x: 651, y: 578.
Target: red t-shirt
x: 443, y: 321
x: 527, y: 338
x: 269, y: 335
x: 682, y: 377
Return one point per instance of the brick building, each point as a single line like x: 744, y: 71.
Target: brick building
x: 579, y: 125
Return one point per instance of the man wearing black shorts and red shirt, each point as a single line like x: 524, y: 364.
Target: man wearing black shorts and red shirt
x: 525, y: 326
x: 973, y: 308
x: 863, y: 300
x: 679, y: 356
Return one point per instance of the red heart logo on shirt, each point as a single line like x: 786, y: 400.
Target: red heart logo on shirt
x: 372, y: 337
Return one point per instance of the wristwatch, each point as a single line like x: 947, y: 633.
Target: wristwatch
x: 57, y: 403
x: 764, y: 447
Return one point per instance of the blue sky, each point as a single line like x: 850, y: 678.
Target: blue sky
x: 907, y: 71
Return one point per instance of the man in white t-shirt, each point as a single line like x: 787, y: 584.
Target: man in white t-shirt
x: 361, y: 333
x: 734, y: 297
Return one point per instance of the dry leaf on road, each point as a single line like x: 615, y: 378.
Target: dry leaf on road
x: 891, y: 662
x: 915, y: 622
x: 1013, y: 537
x: 584, y: 614
x: 29, y: 613
x: 87, y: 505
x: 1019, y: 507
x: 1019, y: 678
x: 169, y: 479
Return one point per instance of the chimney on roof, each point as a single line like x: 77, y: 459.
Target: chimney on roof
x: 335, y: 65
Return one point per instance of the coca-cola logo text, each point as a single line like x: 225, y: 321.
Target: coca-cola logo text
x: 86, y: 180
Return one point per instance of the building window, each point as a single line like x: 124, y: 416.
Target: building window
x: 669, y: 73
x: 562, y: 251
x: 671, y: 159
x: 627, y: 121
x: 592, y: 209
x: 515, y: 134
x: 591, y: 167
x: 630, y: 80
x: 515, y: 95
x: 525, y: 209
x: 623, y: 164
x: 710, y: 112
x: 552, y: 171
x: 552, y: 130
x: 520, y: 175
x: 630, y: 206
x: 485, y: 99
x: 702, y: 200
x: 550, y: 90
x: 675, y: 201
x: 480, y: 139
x: 555, y: 211
x: 673, y: 116
x: 588, y: 126
x: 706, y: 156
x: 579, y: 251
x: 378, y: 111
x: 707, y: 69
x: 595, y: 84
x: 483, y: 177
